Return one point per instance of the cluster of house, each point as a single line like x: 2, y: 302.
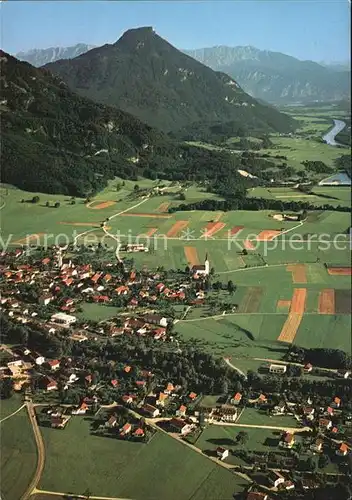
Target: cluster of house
x: 53, y: 277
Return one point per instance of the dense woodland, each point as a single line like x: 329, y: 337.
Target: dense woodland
x: 237, y: 202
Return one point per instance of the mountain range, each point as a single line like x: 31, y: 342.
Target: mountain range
x: 267, y: 75
x: 39, y: 57
x: 146, y: 76
x: 276, y: 77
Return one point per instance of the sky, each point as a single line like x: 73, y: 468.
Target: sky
x: 307, y: 29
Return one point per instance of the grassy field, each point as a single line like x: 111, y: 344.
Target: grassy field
x: 97, y: 312
x: 8, y: 406
x: 252, y: 416
x: 260, y: 440
x: 108, y: 467
x: 332, y: 195
x: 18, y: 455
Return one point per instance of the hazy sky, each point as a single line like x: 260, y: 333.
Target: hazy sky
x: 307, y: 29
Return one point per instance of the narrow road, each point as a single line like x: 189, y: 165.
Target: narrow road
x: 40, y: 452
x: 227, y: 361
x: 75, y: 495
x: 12, y: 414
x: 113, y: 217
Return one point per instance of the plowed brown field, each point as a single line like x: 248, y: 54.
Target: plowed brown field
x: 295, y: 316
x: 327, y: 301
x: 191, y: 256
x: 177, y: 228
x: 298, y: 273
x: 212, y: 228
x: 267, y: 235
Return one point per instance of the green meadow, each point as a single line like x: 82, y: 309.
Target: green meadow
x: 114, y: 474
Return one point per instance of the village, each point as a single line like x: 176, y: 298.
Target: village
x: 107, y: 370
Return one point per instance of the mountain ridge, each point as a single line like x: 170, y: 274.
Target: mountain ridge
x: 276, y: 77
x: 40, y: 57
x: 58, y: 142
x: 143, y: 74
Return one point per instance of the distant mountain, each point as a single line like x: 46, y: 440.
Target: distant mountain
x: 276, y: 77
x: 58, y: 142
x: 146, y: 76
x: 39, y: 57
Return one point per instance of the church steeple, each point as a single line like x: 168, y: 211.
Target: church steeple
x: 206, y: 264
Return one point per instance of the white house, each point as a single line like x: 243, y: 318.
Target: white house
x: 151, y: 410
x: 222, y: 453
x: 155, y: 319
x: 64, y: 319
x: 180, y: 426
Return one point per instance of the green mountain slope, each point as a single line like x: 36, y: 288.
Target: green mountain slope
x: 58, y: 142
x: 146, y: 76
x: 276, y: 77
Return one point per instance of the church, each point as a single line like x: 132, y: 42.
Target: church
x: 201, y: 270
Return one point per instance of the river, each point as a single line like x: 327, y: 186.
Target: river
x: 329, y: 138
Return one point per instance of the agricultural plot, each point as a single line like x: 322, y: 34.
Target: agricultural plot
x: 298, y: 149
x: 332, y: 195
x: 18, y: 455
x: 8, y: 406
x: 325, y: 330
x: 72, y: 466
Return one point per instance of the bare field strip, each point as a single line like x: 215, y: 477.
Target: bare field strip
x: 340, y: 271
x: 150, y: 232
x: 248, y: 245
x: 283, y: 304
x: 191, y: 256
x: 267, y: 235
x: 163, y: 207
x: 212, y: 228
x: 251, y: 300
x: 298, y: 301
x: 327, y: 301
x: 343, y: 302
x: 235, y: 230
x: 177, y: 228
x: 29, y: 238
x: 100, y: 204
x: 290, y: 328
x: 83, y: 224
x: 298, y: 273
x: 150, y: 216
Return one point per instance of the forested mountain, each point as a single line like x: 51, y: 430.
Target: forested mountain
x: 55, y: 141
x: 39, y: 57
x: 58, y: 142
x: 146, y: 76
x: 276, y: 77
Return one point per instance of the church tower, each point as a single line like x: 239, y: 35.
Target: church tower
x: 206, y: 265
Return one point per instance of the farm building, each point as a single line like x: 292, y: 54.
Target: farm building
x: 277, y: 368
